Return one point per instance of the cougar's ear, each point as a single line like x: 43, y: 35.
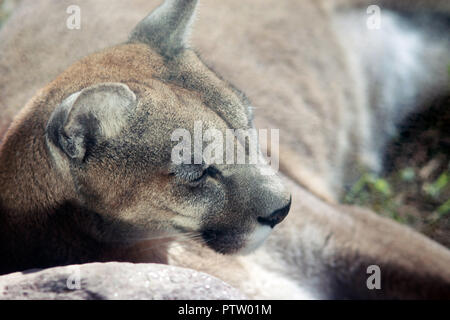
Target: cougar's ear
x: 166, y: 29
x: 83, y: 117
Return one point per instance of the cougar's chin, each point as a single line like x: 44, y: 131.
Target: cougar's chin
x: 255, y: 239
x: 228, y: 242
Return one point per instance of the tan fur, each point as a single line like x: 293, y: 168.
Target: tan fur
x: 300, y: 77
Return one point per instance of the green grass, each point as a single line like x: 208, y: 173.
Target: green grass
x: 394, y: 194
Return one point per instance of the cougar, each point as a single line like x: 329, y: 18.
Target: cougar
x: 87, y: 171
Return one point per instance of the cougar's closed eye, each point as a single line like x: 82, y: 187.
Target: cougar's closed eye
x: 194, y: 174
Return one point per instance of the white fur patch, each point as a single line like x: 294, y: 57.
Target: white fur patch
x: 256, y: 238
x: 263, y: 283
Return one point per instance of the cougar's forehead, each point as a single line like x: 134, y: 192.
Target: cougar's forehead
x: 138, y: 64
x: 165, y: 107
x: 189, y: 72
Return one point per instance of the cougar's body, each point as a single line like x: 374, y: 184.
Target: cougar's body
x: 77, y: 190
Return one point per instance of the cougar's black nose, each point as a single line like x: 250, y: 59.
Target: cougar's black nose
x: 276, y: 217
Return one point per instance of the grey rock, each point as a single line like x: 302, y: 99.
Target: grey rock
x: 113, y: 281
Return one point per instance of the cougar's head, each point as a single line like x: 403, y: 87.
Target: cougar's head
x: 143, y: 132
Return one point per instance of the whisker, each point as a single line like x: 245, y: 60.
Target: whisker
x: 176, y: 239
x: 160, y: 236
